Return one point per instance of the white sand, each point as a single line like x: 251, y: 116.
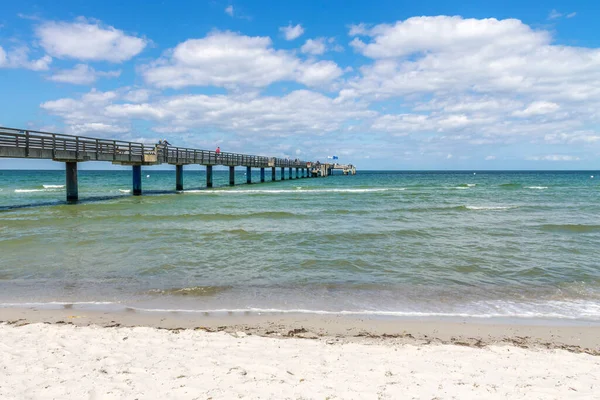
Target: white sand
x: 66, y: 362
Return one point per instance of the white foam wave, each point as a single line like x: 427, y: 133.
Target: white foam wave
x: 125, y: 190
x: 53, y: 186
x: 33, y: 190
x: 537, y: 187
x: 553, y: 310
x: 460, y: 188
x: 471, y: 184
x: 293, y: 191
x: 490, y: 207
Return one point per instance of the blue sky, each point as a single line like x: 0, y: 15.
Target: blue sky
x: 381, y: 84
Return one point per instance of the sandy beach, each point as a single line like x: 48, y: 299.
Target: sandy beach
x: 74, y: 354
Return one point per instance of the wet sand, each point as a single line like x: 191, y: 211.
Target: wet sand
x: 584, y: 337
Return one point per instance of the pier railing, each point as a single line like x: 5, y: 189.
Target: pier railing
x: 17, y: 143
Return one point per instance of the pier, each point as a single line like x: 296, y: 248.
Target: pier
x: 20, y: 143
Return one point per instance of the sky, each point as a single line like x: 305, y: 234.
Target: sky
x: 447, y: 85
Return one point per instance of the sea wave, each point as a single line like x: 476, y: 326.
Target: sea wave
x: 125, y: 190
x: 551, y: 310
x: 53, y: 186
x: 489, y: 208
x: 570, y: 228
x: 537, y: 187
x: 34, y: 190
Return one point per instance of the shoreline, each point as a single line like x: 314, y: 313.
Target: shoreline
x: 581, y: 338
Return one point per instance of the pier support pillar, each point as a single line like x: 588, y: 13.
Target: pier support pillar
x: 273, y: 174
x: 282, y: 173
x: 232, y: 175
x: 71, y: 183
x: 290, y: 173
x: 262, y: 175
x: 137, y: 180
x: 209, y: 176
x: 248, y: 174
x: 179, y: 177
x: 297, y: 173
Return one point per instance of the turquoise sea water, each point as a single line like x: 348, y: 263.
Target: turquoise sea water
x: 480, y: 244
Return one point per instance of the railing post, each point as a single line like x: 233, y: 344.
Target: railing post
x: 114, y: 150
x: 130, y: 152
x: 77, y: 147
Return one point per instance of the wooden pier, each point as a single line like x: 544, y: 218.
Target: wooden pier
x: 20, y: 143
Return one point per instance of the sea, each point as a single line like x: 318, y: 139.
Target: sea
x: 469, y: 244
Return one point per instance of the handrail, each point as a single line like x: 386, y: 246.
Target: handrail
x: 40, y: 140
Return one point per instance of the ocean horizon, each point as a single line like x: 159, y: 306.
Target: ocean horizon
x: 464, y: 244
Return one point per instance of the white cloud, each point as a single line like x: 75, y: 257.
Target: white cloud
x: 571, y: 15
x: 227, y: 59
x: 481, y: 81
x: 88, y: 40
x: 2, y: 57
x: 538, y: 108
x: 314, y: 46
x: 490, y: 158
x: 292, y: 32
x: 299, y: 112
x: 137, y: 95
x: 229, y: 10
x: 82, y: 74
x: 358, y: 30
x: 19, y: 58
x: 554, y: 14
x: 553, y: 157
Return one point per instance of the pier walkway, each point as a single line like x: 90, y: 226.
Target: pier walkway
x: 20, y: 143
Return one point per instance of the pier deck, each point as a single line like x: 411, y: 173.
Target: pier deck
x: 29, y: 144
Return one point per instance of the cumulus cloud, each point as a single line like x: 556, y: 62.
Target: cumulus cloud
x: 292, y: 32
x: 314, y: 46
x: 482, y: 80
x: 229, y: 10
x: 538, y: 108
x: 300, y: 111
x: 19, y: 58
x: 82, y: 74
x: 88, y: 40
x: 231, y: 60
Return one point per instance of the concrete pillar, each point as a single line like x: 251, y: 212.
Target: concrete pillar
x: 290, y: 173
x: 179, y: 177
x: 137, y: 180
x: 273, y: 174
x: 72, y: 190
x: 297, y: 173
x: 209, y: 176
x: 248, y: 174
x: 282, y: 173
x: 232, y: 175
x: 262, y: 175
